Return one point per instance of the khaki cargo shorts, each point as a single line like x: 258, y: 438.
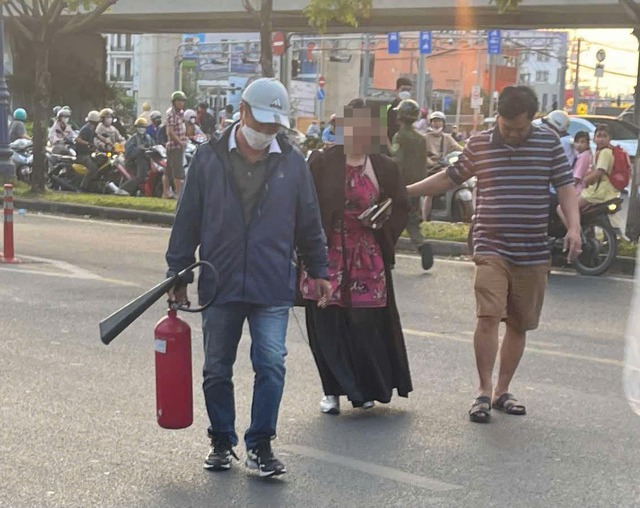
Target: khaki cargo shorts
x: 512, y: 293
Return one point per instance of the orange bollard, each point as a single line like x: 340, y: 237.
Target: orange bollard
x: 8, y: 256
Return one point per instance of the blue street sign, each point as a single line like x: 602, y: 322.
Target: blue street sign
x: 393, y: 43
x: 425, y: 43
x: 320, y: 94
x: 494, y: 42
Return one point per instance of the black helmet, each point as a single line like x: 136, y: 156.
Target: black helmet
x: 408, y: 110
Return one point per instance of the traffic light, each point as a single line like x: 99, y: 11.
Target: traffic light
x: 295, y: 68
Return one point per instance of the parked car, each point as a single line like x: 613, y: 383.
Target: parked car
x: 623, y: 133
x: 628, y: 115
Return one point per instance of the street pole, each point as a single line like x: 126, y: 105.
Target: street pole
x: 460, y: 91
x: 366, y: 63
x: 475, y: 110
x: 633, y: 212
x: 420, y: 89
x: 492, y: 83
x: 7, y: 168
x: 576, y: 83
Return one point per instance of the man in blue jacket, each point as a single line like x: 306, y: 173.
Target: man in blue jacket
x: 250, y: 205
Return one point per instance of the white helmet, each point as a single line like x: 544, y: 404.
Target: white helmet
x: 93, y: 116
x: 558, y: 120
x: 189, y: 114
x: 437, y: 115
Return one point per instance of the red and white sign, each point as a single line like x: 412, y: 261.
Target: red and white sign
x: 278, y: 43
x: 321, y: 82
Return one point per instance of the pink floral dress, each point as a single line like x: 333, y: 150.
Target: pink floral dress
x: 356, y: 267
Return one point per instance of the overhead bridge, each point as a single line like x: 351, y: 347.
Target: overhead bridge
x: 171, y: 16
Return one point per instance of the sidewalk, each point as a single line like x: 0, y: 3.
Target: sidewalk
x: 624, y: 265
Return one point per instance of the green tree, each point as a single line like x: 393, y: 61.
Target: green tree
x: 506, y: 5
x: 348, y: 12
x: 40, y: 23
x: 262, y: 15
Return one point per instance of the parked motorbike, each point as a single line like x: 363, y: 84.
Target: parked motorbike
x: 455, y: 205
x: 152, y: 185
x: 599, y: 241
x: 22, y: 158
x: 64, y: 176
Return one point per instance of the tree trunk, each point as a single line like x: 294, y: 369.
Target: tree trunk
x: 40, y: 117
x: 633, y: 213
x: 266, y: 48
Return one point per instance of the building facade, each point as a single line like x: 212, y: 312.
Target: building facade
x: 120, y: 60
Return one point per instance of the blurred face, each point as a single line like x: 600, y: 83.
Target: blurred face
x: 179, y: 104
x: 515, y: 130
x: 364, y: 132
x: 581, y: 145
x: 437, y: 124
x: 602, y: 139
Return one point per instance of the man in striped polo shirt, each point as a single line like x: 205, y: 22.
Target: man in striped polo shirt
x: 514, y: 162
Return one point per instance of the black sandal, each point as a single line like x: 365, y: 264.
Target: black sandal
x: 480, y: 411
x: 507, y: 403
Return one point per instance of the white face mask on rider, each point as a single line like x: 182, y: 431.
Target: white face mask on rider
x: 192, y: 120
x: 404, y: 95
x: 257, y: 140
x: 141, y: 130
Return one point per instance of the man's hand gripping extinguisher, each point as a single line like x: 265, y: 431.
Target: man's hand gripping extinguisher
x: 174, y: 388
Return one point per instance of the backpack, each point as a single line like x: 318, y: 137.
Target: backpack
x: 621, y: 172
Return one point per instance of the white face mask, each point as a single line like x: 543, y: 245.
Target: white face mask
x: 108, y: 121
x: 257, y: 140
x: 404, y: 95
x: 141, y: 130
x: 192, y: 120
x: 438, y: 130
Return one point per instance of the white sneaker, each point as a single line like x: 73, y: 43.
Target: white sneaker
x: 368, y: 405
x: 330, y: 404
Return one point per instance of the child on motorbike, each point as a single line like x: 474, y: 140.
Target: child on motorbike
x: 597, y: 187
x: 582, y: 165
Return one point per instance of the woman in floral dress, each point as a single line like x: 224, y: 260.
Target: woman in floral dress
x: 356, y: 338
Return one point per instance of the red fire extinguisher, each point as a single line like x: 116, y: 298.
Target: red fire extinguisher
x: 174, y: 388
x: 174, y: 391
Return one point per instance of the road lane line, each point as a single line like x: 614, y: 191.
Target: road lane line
x: 372, y: 469
x: 541, y: 351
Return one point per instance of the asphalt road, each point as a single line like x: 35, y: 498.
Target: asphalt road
x: 77, y: 418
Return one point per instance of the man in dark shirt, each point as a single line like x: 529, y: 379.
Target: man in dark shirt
x: 84, y: 147
x: 206, y: 120
x: 403, y: 91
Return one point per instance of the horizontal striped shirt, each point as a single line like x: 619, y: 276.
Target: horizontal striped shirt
x: 512, y: 207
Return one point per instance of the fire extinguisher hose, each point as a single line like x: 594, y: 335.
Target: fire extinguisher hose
x: 117, y: 322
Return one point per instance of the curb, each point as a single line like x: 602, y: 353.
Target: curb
x: 624, y: 265
x: 101, y: 212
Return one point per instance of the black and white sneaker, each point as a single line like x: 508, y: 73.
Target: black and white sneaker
x: 219, y: 458
x: 261, y: 458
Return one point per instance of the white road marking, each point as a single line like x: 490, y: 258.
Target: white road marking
x: 541, y: 351
x: 63, y: 270
x: 372, y: 469
x: 96, y: 220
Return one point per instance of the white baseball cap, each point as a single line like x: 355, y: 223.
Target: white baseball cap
x: 269, y: 101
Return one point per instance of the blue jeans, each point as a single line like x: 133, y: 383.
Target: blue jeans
x: 222, y: 328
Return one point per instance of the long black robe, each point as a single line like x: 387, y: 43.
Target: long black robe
x: 328, y: 169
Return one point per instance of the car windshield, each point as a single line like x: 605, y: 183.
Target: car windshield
x: 617, y: 128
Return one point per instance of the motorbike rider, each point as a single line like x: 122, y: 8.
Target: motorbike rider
x: 146, y: 112
x: 85, y: 144
x: 17, y: 130
x: 558, y: 122
x: 409, y: 150
x: 329, y: 134
x: 135, y: 152
x: 61, y: 133
x: 404, y: 86
x: 193, y: 129
x: 313, y: 131
x: 154, y: 125
x: 439, y: 145
x: 107, y: 134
